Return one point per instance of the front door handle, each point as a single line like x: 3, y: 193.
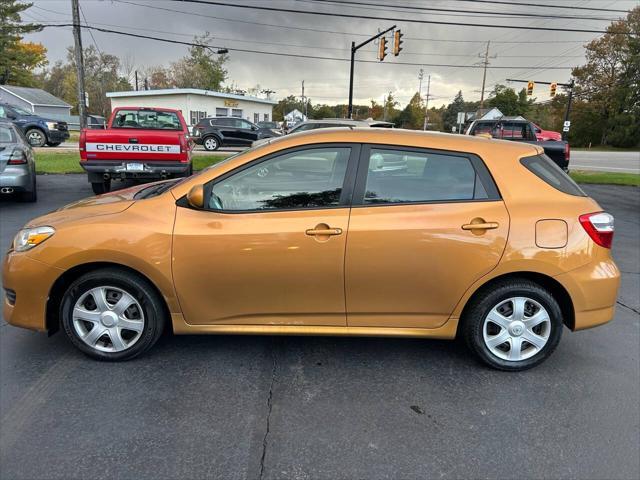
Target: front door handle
x: 324, y: 231
x: 480, y: 226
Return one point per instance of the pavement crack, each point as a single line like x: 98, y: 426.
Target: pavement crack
x: 627, y: 306
x: 274, y: 369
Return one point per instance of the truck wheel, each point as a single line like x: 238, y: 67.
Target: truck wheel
x: 211, y: 143
x: 36, y: 137
x: 101, y: 187
x: 189, y: 172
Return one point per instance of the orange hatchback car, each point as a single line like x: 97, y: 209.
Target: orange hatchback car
x: 331, y: 232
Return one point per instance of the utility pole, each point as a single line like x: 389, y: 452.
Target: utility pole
x: 304, y: 104
x: 485, y: 62
x: 354, y: 49
x: 426, y: 105
x: 420, y: 77
x: 82, y: 111
x: 268, y: 93
x: 136, y: 72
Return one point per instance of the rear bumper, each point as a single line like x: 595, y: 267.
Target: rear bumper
x: 118, y: 169
x: 18, y: 177
x: 594, y: 290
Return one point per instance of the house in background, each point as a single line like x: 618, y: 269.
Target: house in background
x: 37, y: 101
x: 196, y: 104
x: 294, y: 116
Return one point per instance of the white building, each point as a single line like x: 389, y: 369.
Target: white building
x: 196, y: 104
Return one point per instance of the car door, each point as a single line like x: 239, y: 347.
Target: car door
x: 412, y: 248
x: 227, y: 127
x: 269, y: 247
x: 247, y: 132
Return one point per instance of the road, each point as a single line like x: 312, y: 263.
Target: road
x: 323, y: 408
x: 620, y: 162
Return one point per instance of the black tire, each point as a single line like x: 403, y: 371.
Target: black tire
x: 188, y: 173
x: 147, y: 297
x: 486, y: 299
x: 36, y: 137
x: 101, y: 187
x: 211, y: 143
x: 32, y: 195
x: 53, y: 144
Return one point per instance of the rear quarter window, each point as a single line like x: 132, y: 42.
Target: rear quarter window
x: 545, y: 169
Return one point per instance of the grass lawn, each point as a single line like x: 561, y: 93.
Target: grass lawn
x: 51, y: 161
x: 606, y: 178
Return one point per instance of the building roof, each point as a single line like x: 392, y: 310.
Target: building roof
x: 35, y: 96
x: 191, y: 91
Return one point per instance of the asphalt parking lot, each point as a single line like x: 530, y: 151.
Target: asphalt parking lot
x: 323, y: 408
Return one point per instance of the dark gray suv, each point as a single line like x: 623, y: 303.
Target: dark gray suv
x: 216, y: 132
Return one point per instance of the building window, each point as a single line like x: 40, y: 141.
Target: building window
x: 256, y: 117
x: 222, y: 112
x: 196, y: 116
x: 266, y: 117
x: 236, y: 112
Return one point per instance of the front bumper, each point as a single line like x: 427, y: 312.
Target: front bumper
x: 31, y: 280
x: 18, y: 177
x: 118, y: 169
x: 57, y: 136
x: 594, y: 290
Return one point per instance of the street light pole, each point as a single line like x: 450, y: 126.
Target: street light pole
x: 354, y: 49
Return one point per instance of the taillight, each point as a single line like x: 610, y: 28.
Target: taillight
x: 567, y: 151
x: 83, y: 140
x: 599, y: 226
x: 17, y: 158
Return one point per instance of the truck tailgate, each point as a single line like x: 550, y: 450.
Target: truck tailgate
x: 136, y: 146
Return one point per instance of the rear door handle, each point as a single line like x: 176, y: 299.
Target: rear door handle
x: 324, y: 231
x: 480, y: 226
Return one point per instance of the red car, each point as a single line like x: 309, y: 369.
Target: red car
x: 544, y: 135
x: 139, y: 143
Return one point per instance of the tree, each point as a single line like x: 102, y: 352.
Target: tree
x: 608, y: 82
x: 18, y: 59
x: 450, y: 114
x: 199, y: 69
x: 412, y: 116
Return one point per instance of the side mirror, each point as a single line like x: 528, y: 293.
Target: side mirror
x: 195, y: 197
x: 255, y: 127
x: 11, y: 116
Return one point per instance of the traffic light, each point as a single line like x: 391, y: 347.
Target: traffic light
x: 397, y: 42
x: 530, y: 88
x: 382, y: 48
x: 554, y: 86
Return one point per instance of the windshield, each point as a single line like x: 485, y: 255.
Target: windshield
x: 147, y: 119
x: 21, y: 111
x: 7, y: 134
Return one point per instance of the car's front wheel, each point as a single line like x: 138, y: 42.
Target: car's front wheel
x: 110, y: 314
x: 513, y: 325
x: 211, y: 143
x: 36, y: 137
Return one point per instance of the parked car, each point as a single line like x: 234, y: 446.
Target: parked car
x: 216, y: 132
x: 544, y: 135
x: 522, y: 131
x: 38, y: 130
x: 275, y: 126
x: 139, y: 143
x: 338, y: 122
x: 17, y: 165
x: 478, y: 238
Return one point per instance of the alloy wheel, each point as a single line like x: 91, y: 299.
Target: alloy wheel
x: 516, y: 329
x: 108, y: 319
x: 36, y: 138
x: 211, y: 144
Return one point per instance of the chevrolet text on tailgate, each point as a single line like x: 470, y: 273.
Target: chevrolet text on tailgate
x: 139, y: 143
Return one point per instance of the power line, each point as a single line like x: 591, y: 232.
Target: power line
x: 284, y: 54
x: 318, y: 30
x: 484, y: 13
x: 543, y: 5
x: 391, y: 19
x: 90, y: 32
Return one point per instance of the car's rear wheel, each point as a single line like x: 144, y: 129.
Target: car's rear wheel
x: 36, y: 137
x: 211, y: 143
x: 30, y: 195
x: 112, y: 315
x: 515, y: 325
x: 101, y: 187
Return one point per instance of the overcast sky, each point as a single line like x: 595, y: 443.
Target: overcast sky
x: 327, y: 81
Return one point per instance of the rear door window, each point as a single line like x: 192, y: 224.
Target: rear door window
x: 545, y: 169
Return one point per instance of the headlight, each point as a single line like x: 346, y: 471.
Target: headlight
x: 52, y: 125
x: 28, y: 238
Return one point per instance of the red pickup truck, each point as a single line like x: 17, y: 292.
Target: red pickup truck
x: 138, y: 143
